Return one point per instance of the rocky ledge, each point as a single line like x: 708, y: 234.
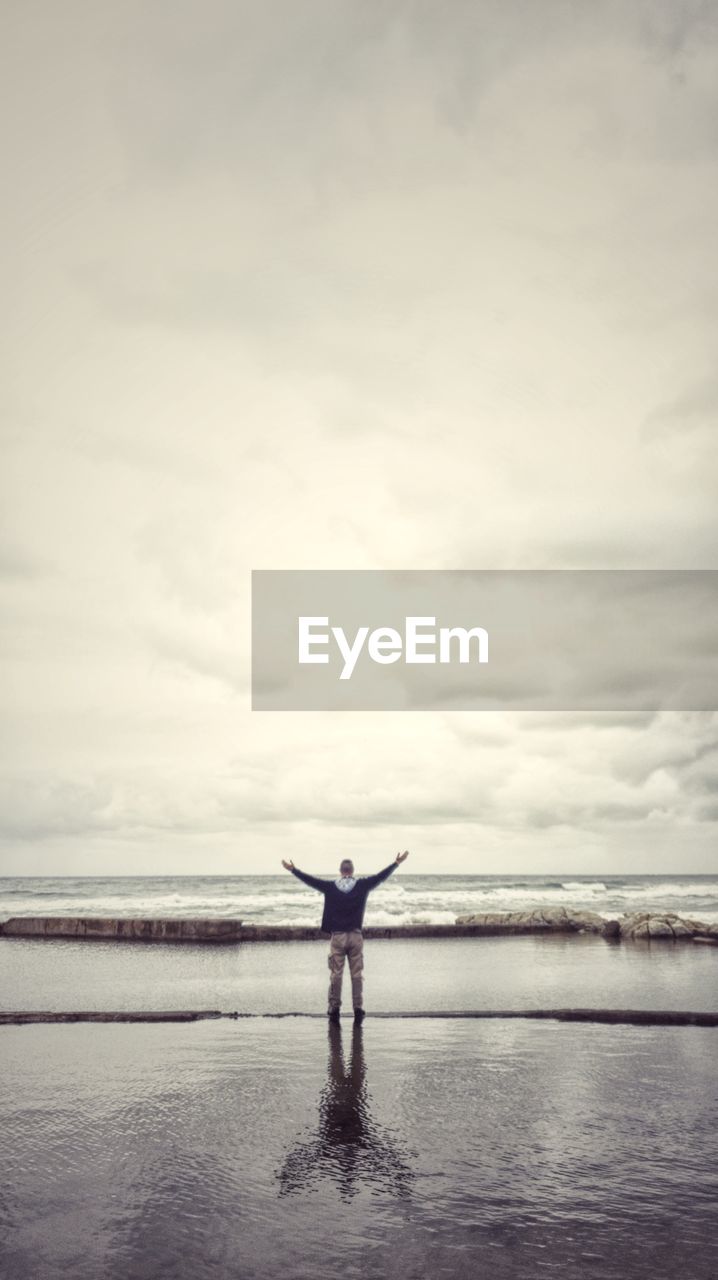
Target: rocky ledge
x: 114, y: 928
x: 641, y: 924
x: 646, y: 924
x: 543, y: 920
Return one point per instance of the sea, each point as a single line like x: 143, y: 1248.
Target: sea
x: 435, y: 1145
x: 404, y: 899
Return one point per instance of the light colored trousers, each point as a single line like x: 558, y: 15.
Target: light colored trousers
x: 341, y: 946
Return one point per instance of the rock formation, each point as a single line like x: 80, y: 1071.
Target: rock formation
x: 636, y: 925
x: 668, y: 925
x: 540, y: 920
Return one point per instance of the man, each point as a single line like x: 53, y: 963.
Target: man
x: 344, y: 903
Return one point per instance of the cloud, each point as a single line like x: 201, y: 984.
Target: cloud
x: 17, y: 565
x: 448, y: 780
x: 345, y: 286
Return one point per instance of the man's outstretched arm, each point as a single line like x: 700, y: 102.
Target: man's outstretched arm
x: 372, y: 881
x: 312, y: 881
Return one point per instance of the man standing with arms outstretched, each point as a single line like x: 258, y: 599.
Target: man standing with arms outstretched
x: 344, y: 903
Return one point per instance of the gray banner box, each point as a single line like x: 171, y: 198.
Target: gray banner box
x: 557, y: 640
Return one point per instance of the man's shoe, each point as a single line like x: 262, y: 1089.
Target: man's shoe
x: 334, y: 1017
x: 359, y: 1016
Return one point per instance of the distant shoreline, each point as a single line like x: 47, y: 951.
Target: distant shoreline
x: 588, y: 876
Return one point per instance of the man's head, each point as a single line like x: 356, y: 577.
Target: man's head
x: 346, y: 867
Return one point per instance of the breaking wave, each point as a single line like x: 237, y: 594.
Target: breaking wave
x: 437, y: 899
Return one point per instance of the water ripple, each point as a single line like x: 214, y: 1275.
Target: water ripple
x: 249, y: 1150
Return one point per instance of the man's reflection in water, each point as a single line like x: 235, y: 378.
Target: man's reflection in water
x: 349, y: 1147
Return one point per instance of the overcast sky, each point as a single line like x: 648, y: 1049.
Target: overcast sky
x: 345, y: 284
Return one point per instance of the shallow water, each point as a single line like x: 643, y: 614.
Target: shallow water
x: 258, y: 1149
x: 411, y: 974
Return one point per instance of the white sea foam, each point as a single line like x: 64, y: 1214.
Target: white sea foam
x: 382, y: 919
x: 667, y: 889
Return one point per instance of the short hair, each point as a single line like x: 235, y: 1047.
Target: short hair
x: 346, y: 862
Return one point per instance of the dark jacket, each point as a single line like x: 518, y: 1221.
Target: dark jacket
x: 344, y: 911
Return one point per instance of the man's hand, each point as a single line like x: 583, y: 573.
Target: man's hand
x: 288, y: 866
x: 401, y: 856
